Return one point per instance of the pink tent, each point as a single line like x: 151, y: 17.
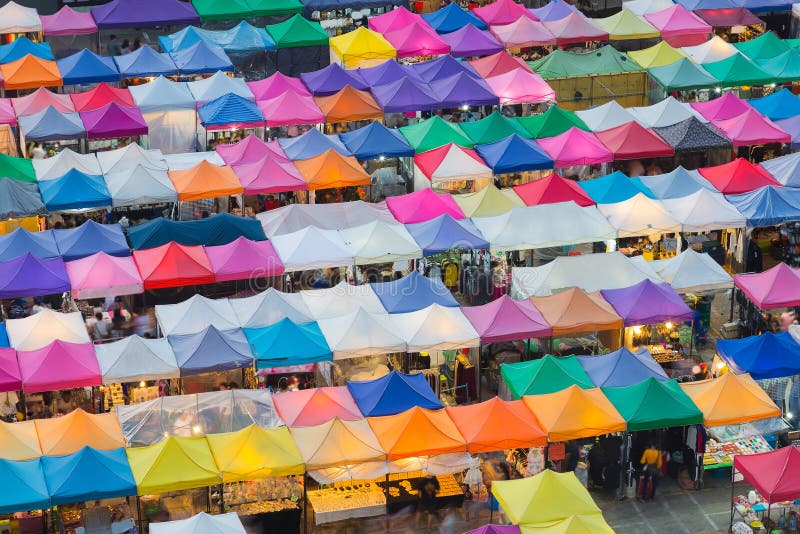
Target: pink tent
x: 575, y: 147
x: 519, y: 86
x: 523, y: 33
x: 505, y: 319
x: 574, y: 28
x: 497, y: 64
x: 67, y: 21
x: 10, y: 375
x: 423, y: 205
x: 39, y: 100
x: 113, y: 120
x: 725, y: 107
x: 312, y: 407
x: 502, y: 12
x: 270, y: 174
x: 417, y: 39
x: 101, y: 275
x: 778, y: 287
x: 431, y: 161
x: 250, y: 149
x: 680, y: 27
x: 243, y: 259
x: 276, y: 85
x: 291, y: 108
x: 751, y: 128
x: 59, y: 365
x: 394, y: 20
x: 7, y: 115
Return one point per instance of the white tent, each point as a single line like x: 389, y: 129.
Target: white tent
x: 129, y: 157
x: 187, y: 160
x: 665, y: 113
x: 201, y: 523
x: 63, y: 162
x: 312, y: 248
x: 692, y: 272
x: 338, y: 442
x: 168, y: 109
x: 361, y: 333
x: 592, y: 272
x: 609, y: 115
x: 380, y: 242
x: 337, y: 216
x: 704, y: 211
x: 341, y: 299
x: 435, y: 328
x: 140, y: 185
x: 715, y: 49
x: 456, y: 165
x: 545, y: 225
x: 645, y: 7
x: 41, y: 329
x: 15, y: 18
x: 785, y: 169
x: 269, y: 307
x: 194, y: 315
x: 135, y: 358
x: 218, y: 85
x: 639, y: 216
x: 162, y: 94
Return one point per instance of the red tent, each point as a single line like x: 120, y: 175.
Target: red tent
x: 778, y: 287
x: 738, y: 176
x: 776, y: 474
x: 101, y: 95
x: 552, y: 189
x: 632, y: 141
x: 729, y: 17
x: 173, y: 265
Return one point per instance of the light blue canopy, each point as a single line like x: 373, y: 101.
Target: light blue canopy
x: 779, y: 105
x: 87, y: 67
x: 451, y: 18
x: 614, y: 187
x: 376, y: 140
x: 23, y: 46
x: 51, y: 124
x: 312, y: 144
x: 393, y: 393
x: 554, y: 10
x: 75, y: 190
x: 765, y: 356
x: 201, y: 58
x: 768, y: 205
x: 243, y: 37
x: 514, y: 154
x: 211, y: 350
x: 18, y: 199
x: 288, y: 343
x: 675, y: 184
x: 445, y: 233
x: 90, y: 238
x: 229, y: 111
x: 412, y: 293
x: 622, y: 368
x: 785, y: 169
x: 24, y: 487
x: 19, y: 241
x: 145, y: 62
x: 88, y: 475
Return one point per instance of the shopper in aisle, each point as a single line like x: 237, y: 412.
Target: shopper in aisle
x: 651, y: 460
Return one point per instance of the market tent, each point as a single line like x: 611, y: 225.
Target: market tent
x: 767, y: 206
x: 502, y: 12
x: 413, y: 292
x: 640, y: 216
x: 416, y: 39
x: 496, y: 424
x: 18, y: 169
x: 20, y: 241
x: 173, y: 464
x: 393, y: 19
x: 785, y: 169
x: 417, y: 432
x: 552, y: 189
x: 520, y: 86
x: 778, y: 105
x: 692, y: 272
x: 230, y: 111
x: 606, y: 116
x: 376, y: 141
x: 101, y: 276
x: 337, y: 442
x: 774, y: 288
x: 38, y: 330
x: 552, y: 122
x: 614, y: 187
x: 222, y: 524
x: 665, y: 113
x: 575, y: 28
x: 210, y: 10
x: 648, y: 303
x: 217, y: 85
x: 139, y: 185
x: 405, y: 95
x: 441, y: 68
x: 461, y: 90
x: 488, y: 202
x: 704, y: 211
x: 39, y: 100
x: 86, y: 67
x: 451, y: 162
x: 634, y: 141
x: 275, y: 85
x: 253, y: 453
x: 434, y: 133
x: 311, y: 248
x: 316, y: 406
x: 335, y: 216
x: 286, y: 343
x: 135, y: 358
x: 554, y: 10
x: 30, y: 72
x: 625, y: 25
x: 784, y: 67
x: 19, y: 441
x: 330, y: 80
x: 496, y: 64
x: 575, y: 413
x: 173, y: 265
x: 393, y: 393
x: 751, y: 128
x: 101, y: 95
x: 545, y: 375
x: 129, y: 157
x: 145, y: 62
x: 310, y: 144
x: 361, y: 333
x: 523, y: 33
x: 331, y: 169
x: 269, y: 307
x: 290, y: 108
x: 470, y: 41
x: 201, y: 58
x: 205, y: 180
x: 622, y: 368
x: 297, y: 32
x: 67, y: 22
x: 27, y: 489
x: 575, y: 147
x: 59, y: 365
x: 505, y: 319
x: 574, y: 311
x: 423, y: 205
x: 445, y: 233
x: 348, y: 104
x: 765, y: 356
x: 249, y: 150
x: 10, y: 375
x: 29, y: 276
x: 765, y: 46
x: 680, y: 27
x: 493, y: 127
x: 772, y: 474
x: 658, y: 55
x: 715, y: 49
x: 341, y: 299
x: 514, y: 154
x: 725, y: 107
x: 361, y: 46
x: 380, y: 242
x: 88, y: 474
x: 143, y: 14
x: 219, y: 229
x: 723, y: 16
x: 682, y: 75
x: 75, y: 190
x: 21, y: 47
x: 19, y: 19
x: 113, y: 120
x: 63, y: 162
x: 387, y: 72
x: 737, y: 176
x: 642, y: 405
x: 731, y: 399
x: 211, y: 350
x: 452, y: 17
x: 244, y: 259
x: 693, y: 135
x: 194, y: 314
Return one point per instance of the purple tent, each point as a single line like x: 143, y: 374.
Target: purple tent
x: 441, y: 68
x: 144, y: 14
x: 496, y: 529
x: 113, y: 120
x: 67, y: 21
x: 405, y: 95
x: 29, y: 276
x: 792, y: 127
x: 330, y: 80
x: 463, y: 90
x: 387, y: 72
x: 648, y: 303
x: 505, y: 319
x: 469, y: 41
x: 555, y: 10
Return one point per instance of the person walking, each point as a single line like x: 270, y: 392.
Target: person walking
x: 651, y: 460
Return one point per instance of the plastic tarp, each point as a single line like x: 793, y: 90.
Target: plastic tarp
x: 552, y: 189
x: 575, y: 147
x: 134, y: 358
x: 336, y: 216
x: 614, y: 187
x: 658, y: 55
x: 665, y: 113
x: 361, y: 333
x: 640, y: 216
x: 692, y: 272
x: 552, y: 122
x: 20, y: 241
x: 412, y: 293
x: 693, y: 135
x: 682, y: 75
x: 173, y: 464
x: 211, y: 350
x: 66, y: 21
x: 376, y: 141
x: 514, y: 154
x: 361, y: 46
x: 380, y: 242
x: 488, y: 202
x: 27, y: 275
x: 337, y: 442
x: 785, y: 169
x: 38, y: 330
x: 173, y: 265
x: 774, y: 288
x: 201, y: 58
x: 545, y: 375
x: 730, y: 399
x: 765, y: 356
x: 19, y: 19
x: 496, y: 424
x: 622, y: 368
x: 286, y: 343
x: 88, y: 475
x: 445, y: 233
x: 451, y: 18
x: 642, y: 405
x: 101, y: 276
x: 451, y: 163
x: 312, y: 248
x: 29, y: 490
x: 341, y: 299
x: 269, y: 307
x: 59, y: 365
x: 223, y: 524
x: 253, y: 453
x: 470, y: 41
x: 143, y: 14
x: 317, y: 406
x: 423, y: 205
x: 349, y: 104
x: 86, y: 67
x: 113, y: 120
x: 704, y: 211
x: 30, y: 72
x: 680, y: 27
x: 606, y: 116
x: 737, y: 176
x: 393, y: 393
x: 773, y: 474
x: 417, y: 432
x: 574, y: 413
x: 648, y: 303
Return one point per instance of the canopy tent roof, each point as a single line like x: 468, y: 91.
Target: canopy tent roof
x: 195, y: 314
x: 730, y: 399
x: 387, y: 72
x: 392, y: 394
x: 61, y: 163
x: 441, y: 68
x: 219, y: 229
x: 726, y: 16
x: 751, y: 128
x: 393, y: 20
x: 606, y: 116
x: 172, y: 464
x: 693, y: 135
x: 173, y: 265
x: 764, y: 356
x: 704, y: 211
x: 433, y: 133
x: 219, y: 84
x: 374, y: 141
x: 361, y: 47
x: 776, y: 287
x: 275, y: 85
x: 146, y: 14
x: 249, y: 150
x: 423, y: 205
x: 648, y: 303
x: 405, y: 95
x: 502, y: 12
x: 101, y: 275
x: 552, y: 189
x: 75, y: 190
x: 113, y: 120
x: 134, y: 358
x: 253, y: 453
x: 67, y: 21
x: 244, y: 259
x: 330, y: 80
x: 416, y: 39
x: 223, y: 524
x: 19, y: 241
x: 336, y: 216
x: 625, y: 25
x: 767, y: 206
x: 784, y: 67
x: 640, y: 216
x: 39, y: 100
x: 679, y: 26
x: 737, y: 176
x: 297, y: 31
x: 765, y: 46
x: 230, y: 111
x: 286, y: 343
x: 575, y: 311
x: 514, y: 154
x: 493, y: 127
x: 622, y: 368
x: 252, y: 8
x: 269, y: 307
x: 692, y: 272
x: 317, y: 406
x: 337, y: 442
x: 341, y: 299
x: 205, y: 180
x: 211, y: 350
x: 19, y: 19
x: 72, y: 432
x: 312, y: 248
x: 30, y: 72
x: 725, y: 107
x: 145, y: 62
x: 778, y: 105
x: 88, y: 474
x: 90, y: 238
x: 310, y: 144
x: 129, y: 157
x: 785, y: 169
x: 505, y: 319
x: 451, y: 18
x: 497, y: 64
x: 331, y: 169
x: 86, y: 67
x: 552, y: 122
x: 633, y: 141
x: 463, y: 89
x: 52, y: 125
x: 27, y: 275
x: 20, y: 441
x: 488, y: 202
x: 604, y: 60
x: 349, y: 104
x: 445, y: 233
x: 715, y: 49
x: 575, y: 413
x: 575, y: 147
x: 675, y: 184
x: 554, y: 10
x: 417, y: 432
x: 361, y: 333
x: 574, y: 28
x: 290, y: 108
x: 380, y: 242
x: 10, y: 375
x: 28, y: 491
x: 100, y: 96
x: 523, y: 33
x: 139, y: 185
x: 546, y: 375
x: 22, y: 46
x: 38, y: 330
x: 665, y: 113
x: 642, y: 405
x: 682, y: 75
x: 18, y: 169
x: 470, y: 41
x: 412, y: 293
x: 59, y: 365
x: 614, y: 187
x: 773, y: 474
x: 496, y: 424
x: 658, y: 55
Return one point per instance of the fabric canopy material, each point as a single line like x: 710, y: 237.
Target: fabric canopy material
x: 423, y: 205
x: 211, y: 351
x: 640, y: 216
x: 737, y: 176
x: 143, y: 14
x: 614, y: 187
x: 435, y: 328
x: 379, y: 242
x: 767, y: 206
x: 642, y: 405
x: 101, y: 275
x: 658, y: 55
x: 78, y: 429
x: 445, y: 233
x: 277, y: 112
x: 692, y: 272
x: 412, y: 293
x: 20, y: 241
x: 576, y: 147
x: 773, y: 474
x: 514, y: 154
x: 488, y: 202
x: 625, y: 25
x: 450, y: 163
x: 10, y: 375
x: 87, y: 475
x: 552, y: 122
x: 751, y: 128
x: 317, y: 406
x: 692, y: 135
x: 75, y: 190
x: 433, y: 133
x: 30, y: 72
x: 113, y: 120
x: 331, y: 169
x: 546, y: 375
x: 375, y: 141
x: 470, y: 41
x: 172, y: 464
x: 774, y: 288
x: 20, y: 441
x: 633, y: 141
x: 763, y: 357
x: 145, y: 62
x: 173, y: 265
x: 552, y: 189
x: 269, y: 307
x: 286, y: 343
x: 194, y: 315
x: 523, y: 33
x: 140, y: 185
x: 362, y: 47
x: 680, y: 27
x: 244, y: 259
x: 337, y: 442
x: 682, y: 75
x: 205, y: 180
x: 223, y: 524
x: 253, y: 453
x: 648, y: 303
x: 30, y: 492
x: 574, y: 311
x: 779, y: 105
x: 67, y: 21
x: 134, y: 358
x: 496, y: 424
x: 622, y: 368
x: 730, y: 399
x: 38, y: 330
x: 575, y: 413
x: 311, y: 144
x: 39, y: 100
x: 219, y: 229
x: 86, y: 67
x: 27, y: 275
x: 331, y: 80
x: 230, y: 111
x: 574, y: 28
x: 201, y: 58
x: 725, y: 107
x: 59, y: 365
x: 785, y: 169
x: 502, y: 12
x: 392, y: 394
x: 361, y: 333
x: 19, y: 19
x: 452, y: 17
x: 312, y: 248
x: 417, y: 432
x: 505, y: 319
x: 349, y: 104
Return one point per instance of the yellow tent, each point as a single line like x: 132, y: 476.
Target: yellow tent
x: 78, y: 429
x: 575, y: 413
x: 362, y: 48
x: 730, y: 399
x: 19, y: 441
x: 255, y: 452
x: 173, y: 464
x: 488, y: 202
x: 337, y: 443
x: 625, y: 25
x: 577, y: 524
x: 657, y: 56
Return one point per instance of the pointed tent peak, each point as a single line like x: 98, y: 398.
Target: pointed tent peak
x: 505, y: 319
x: 625, y: 25
x: 502, y: 12
x: 715, y: 49
x: 452, y: 17
x: 523, y: 33
x: 423, y: 205
x: 100, y: 96
x: 554, y: 121
x: 575, y: 28
x: 39, y: 100
x: 554, y: 10
x: 444, y: 233
x: 773, y: 474
x: 752, y: 128
x: 613, y: 188
x: 275, y: 85
x: 332, y: 169
x: 330, y: 80
x: 765, y: 46
x: 738, y: 70
x: 657, y: 55
x: 349, y: 104
x: 317, y: 406
x: 201, y: 58
x: 19, y: 19
x: 362, y: 47
x: 19, y: 441
x: 497, y: 425
x: 781, y: 104
x: 622, y: 368
x: 337, y: 442
x: 451, y: 161
x: 395, y: 19
x: 785, y: 169
x: 727, y: 106
x: 496, y: 64
x: 463, y: 89
x: 737, y: 176
x: 545, y: 375
x: 417, y: 432
x: 514, y: 154
x: 30, y: 72
x: 665, y: 113
x: 575, y: 310
x: 642, y: 405
x: 488, y: 202
x: 606, y: 116
x: 553, y: 189
x: 493, y: 127
x: 392, y: 393
x: 251, y: 148
x: 70, y: 433
x: 776, y: 287
x: 297, y: 31
x: 730, y: 399
x: 434, y: 133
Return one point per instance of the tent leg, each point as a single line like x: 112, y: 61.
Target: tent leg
x: 221, y: 499
x: 305, y: 503
x: 624, y: 453
x: 478, y: 385
x: 733, y: 469
x: 691, y: 341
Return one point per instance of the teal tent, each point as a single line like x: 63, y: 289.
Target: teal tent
x: 682, y: 75
x: 653, y: 404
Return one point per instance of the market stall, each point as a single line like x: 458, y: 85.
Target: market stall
x: 542, y: 376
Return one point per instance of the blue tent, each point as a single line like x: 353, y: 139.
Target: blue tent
x: 211, y: 350
x: 88, y: 475
x: 785, y: 169
x: 387, y: 72
x: 18, y: 199
x: 622, y: 368
x: 445, y: 233
x: 376, y: 140
x: 614, y: 187
x: 91, y: 238
x: 87, y: 67
x: 145, y: 62
x: 229, y: 111
x: 312, y: 144
x: 514, y: 154
x: 21, y: 241
x: 451, y: 18
x: 23, y: 46
x: 75, y: 190
x: 441, y: 68
x: 52, y: 125
x: 288, y: 343
x: 768, y: 205
x: 675, y: 184
x: 330, y: 80
x: 765, y: 356
x: 392, y: 394
x: 4, y: 342
x: 188, y: 36
x: 782, y: 104
x: 765, y: 6
x: 691, y: 5
x: 24, y: 487
x: 243, y: 38
x: 219, y: 229
x: 201, y: 58
x: 405, y: 94
x: 412, y: 293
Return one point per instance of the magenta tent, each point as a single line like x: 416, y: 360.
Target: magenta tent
x: 41, y: 99
x: 502, y: 12
x: 10, y: 375
x: 244, y: 259
x: 523, y: 33
x: 777, y: 287
x: 113, y: 120
x: 7, y: 115
x: 275, y: 85
x: 776, y: 474
x: 250, y: 149
x: 575, y: 147
x: 270, y: 174
x: 680, y: 27
x: 291, y: 108
x: 101, y: 275
x: 59, y: 365
x: 417, y: 39
x: 725, y: 107
x: 519, y: 86
x: 506, y: 319
x: 751, y: 128
x: 67, y: 21
x: 423, y: 205
x: 394, y: 20
x: 574, y: 28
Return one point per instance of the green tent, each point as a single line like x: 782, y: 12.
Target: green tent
x: 551, y: 123
x: 736, y: 71
x: 433, y: 133
x: 784, y: 67
x: 546, y: 375
x: 242, y: 9
x: 17, y: 168
x: 296, y: 32
x: 682, y: 75
x: 652, y: 404
x: 493, y: 128
x: 792, y: 43
x: 765, y: 46
x: 604, y: 60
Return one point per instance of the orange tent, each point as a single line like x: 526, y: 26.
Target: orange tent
x: 29, y: 72
x: 18, y: 441
x: 331, y: 169
x: 417, y: 432
x: 496, y: 424
x: 349, y: 104
x: 730, y: 399
x: 575, y: 413
x: 574, y: 311
x: 205, y: 180
x: 78, y: 429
